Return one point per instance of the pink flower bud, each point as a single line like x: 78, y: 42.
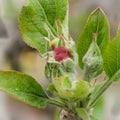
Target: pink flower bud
x: 62, y: 53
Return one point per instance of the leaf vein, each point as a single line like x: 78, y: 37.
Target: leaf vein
x: 48, y: 23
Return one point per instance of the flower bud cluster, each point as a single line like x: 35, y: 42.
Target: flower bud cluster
x: 61, y: 59
x: 60, y: 68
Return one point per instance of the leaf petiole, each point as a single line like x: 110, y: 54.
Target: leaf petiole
x: 57, y: 103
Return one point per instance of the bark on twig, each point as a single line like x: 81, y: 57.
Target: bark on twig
x: 65, y: 115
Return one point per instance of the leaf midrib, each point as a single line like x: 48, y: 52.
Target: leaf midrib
x: 25, y: 92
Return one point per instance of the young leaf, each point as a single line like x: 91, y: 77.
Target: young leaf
x: 24, y: 88
x: 39, y: 17
x: 52, y: 88
x: 82, y: 113
x: 98, y: 110
x: 112, y: 56
x: 97, y: 24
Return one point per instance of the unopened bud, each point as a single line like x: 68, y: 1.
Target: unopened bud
x: 68, y: 65
x: 61, y: 53
x: 82, y: 89
x: 71, y: 89
x: 54, y: 43
x: 53, y: 70
x: 93, y: 61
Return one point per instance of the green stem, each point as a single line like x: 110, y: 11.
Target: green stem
x: 103, y: 88
x: 56, y: 102
x: 99, y: 93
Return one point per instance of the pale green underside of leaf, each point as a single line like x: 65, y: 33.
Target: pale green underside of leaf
x: 97, y: 23
x: 112, y: 56
x: 38, y: 13
x: 24, y: 88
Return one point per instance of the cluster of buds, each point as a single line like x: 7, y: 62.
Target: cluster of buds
x: 61, y: 59
x: 60, y: 68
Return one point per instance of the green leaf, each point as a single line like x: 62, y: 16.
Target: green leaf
x: 115, y: 77
x: 112, y: 56
x: 98, y: 110
x: 37, y: 15
x: 82, y: 113
x: 97, y: 23
x: 51, y: 88
x: 24, y: 88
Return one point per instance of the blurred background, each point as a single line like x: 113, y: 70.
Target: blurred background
x: 16, y: 55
